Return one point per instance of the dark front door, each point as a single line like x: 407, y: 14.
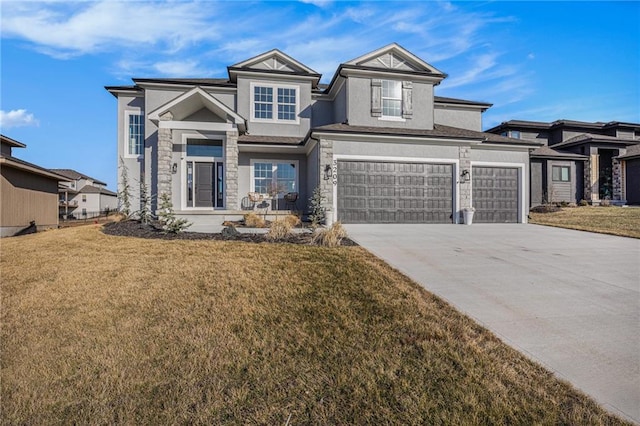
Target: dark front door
x: 205, y: 189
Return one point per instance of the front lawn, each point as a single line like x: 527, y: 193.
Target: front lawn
x: 623, y: 221
x: 100, y: 329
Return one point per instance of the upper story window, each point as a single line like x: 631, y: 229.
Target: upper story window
x: 134, y: 133
x: 275, y: 103
x: 391, y: 98
x: 515, y: 134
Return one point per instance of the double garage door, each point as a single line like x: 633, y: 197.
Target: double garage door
x: 390, y: 192
x: 396, y: 192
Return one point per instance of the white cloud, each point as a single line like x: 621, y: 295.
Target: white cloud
x: 65, y: 30
x: 319, y: 3
x: 17, y: 118
x: 185, y: 68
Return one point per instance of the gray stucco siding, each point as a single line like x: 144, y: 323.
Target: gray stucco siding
x: 134, y: 166
x: 275, y: 128
x: 458, y: 117
x: 340, y: 105
x: 321, y: 113
x: 395, y: 149
x: 359, y: 106
x: 561, y: 191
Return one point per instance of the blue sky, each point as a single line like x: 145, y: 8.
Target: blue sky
x: 532, y: 60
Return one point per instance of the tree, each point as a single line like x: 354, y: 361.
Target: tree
x: 317, y: 213
x: 170, y: 223
x: 145, y: 203
x: 124, y: 191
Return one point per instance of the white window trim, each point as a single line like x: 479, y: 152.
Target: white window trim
x: 274, y: 110
x: 454, y: 162
x: 382, y: 98
x: 252, y: 186
x: 183, y: 169
x: 128, y: 113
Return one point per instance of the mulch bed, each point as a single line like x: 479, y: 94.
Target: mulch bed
x: 133, y: 228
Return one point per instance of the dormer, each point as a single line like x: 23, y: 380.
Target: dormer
x: 390, y: 87
x: 274, y: 93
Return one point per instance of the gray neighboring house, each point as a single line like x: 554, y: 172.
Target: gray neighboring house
x: 580, y: 160
x: 83, y: 196
x: 376, y: 140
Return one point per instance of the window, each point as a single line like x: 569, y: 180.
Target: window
x: 281, y: 107
x: 84, y: 198
x: 560, y: 173
x: 204, y: 148
x: 515, y: 134
x: 391, y: 98
x: 134, y: 137
x: 274, y: 177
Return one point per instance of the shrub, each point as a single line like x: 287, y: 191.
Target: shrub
x: 292, y: 220
x: 316, y: 216
x: 167, y: 217
x: 583, y: 203
x: 230, y: 231
x: 330, y: 237
x: 605, y: 203
x: 279, y: 230
x: 252, y: 220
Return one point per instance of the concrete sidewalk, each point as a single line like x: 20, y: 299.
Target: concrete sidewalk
x: 570, y: 300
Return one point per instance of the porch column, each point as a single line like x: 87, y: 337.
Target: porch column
x: 464, y: 156
x: 165, y: 148
x: 326, y: 186
x: 618, y: 177
x: 231, y: 170
x: 591, y: 176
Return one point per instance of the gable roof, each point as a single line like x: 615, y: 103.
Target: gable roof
x: 16, y: 163
x: 633, y: 151
x: 74, y: 175
x: 90, y: 189
x: 194, y: 100
x: 393, y: 57
x: 273, y: 62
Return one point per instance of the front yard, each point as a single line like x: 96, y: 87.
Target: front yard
x: 623, y: 221
x: 100, y: 329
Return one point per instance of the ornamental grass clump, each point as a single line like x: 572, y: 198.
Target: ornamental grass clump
x: 279, y: 230
x: 292, y: 220
x: 252, y: 220
x: 330, y: 237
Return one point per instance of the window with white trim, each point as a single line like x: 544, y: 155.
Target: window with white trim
x: 391, y: 98
x: 275, y: 103
x: 274, y: 177
x: 134, y: 133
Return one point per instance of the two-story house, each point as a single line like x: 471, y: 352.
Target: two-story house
x: 83, y: 196
x: 580, y: 160
x: 376, y: 140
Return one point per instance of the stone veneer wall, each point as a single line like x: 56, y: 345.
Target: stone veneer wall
x: 464, y: 153
x: 165, y: 148
x: 231, y: 170
x: 326, y: 186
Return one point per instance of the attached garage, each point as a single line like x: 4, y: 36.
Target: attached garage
x: 495, y: 194
x: 394, y: 192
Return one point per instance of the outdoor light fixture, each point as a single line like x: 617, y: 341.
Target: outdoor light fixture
x: 174, y: 168
x: 465, y: 176
x: 327, y: 172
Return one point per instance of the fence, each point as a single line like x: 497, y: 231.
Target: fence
x: 85, y: 216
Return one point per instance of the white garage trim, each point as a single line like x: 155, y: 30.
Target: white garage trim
x: 454, y: 162
x: 521, y: 178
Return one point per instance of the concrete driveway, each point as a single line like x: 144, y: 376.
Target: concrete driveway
x: 568, y: 299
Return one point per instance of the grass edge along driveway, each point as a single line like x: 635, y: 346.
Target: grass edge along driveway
x: 101, y: 329
x: 621, y: 221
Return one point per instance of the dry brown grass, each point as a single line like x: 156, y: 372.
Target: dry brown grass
x: 252, y: 220
x: 292, y: 220
x: 99, y: 329
x: 278, y: 230
x: 330, y: 237
x: 623, y: 221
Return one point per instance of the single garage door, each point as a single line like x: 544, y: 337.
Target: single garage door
x: 495, y: 194
x: 391, y: 192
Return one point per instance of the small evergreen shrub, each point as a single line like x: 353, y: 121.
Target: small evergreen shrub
x: 230, y: 231
x: 583, y: 203
x: 124, y: 191
x: 252, y: 220
x: 317, y: 214
x: 279, y: 230
x: 170, y: 223
x: 330, y: 237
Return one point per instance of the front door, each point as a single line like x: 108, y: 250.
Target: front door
x: 204, y: 185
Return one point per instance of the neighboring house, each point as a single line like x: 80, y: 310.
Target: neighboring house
x: 580, y: 160
x: 379, y: 144
x: 84, y: 196
x: 29, y: 193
